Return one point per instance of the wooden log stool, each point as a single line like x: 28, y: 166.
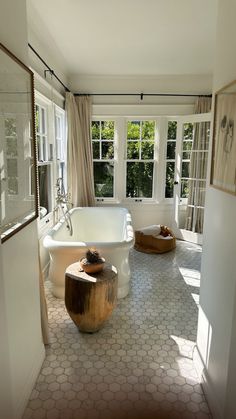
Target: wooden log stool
x: 90, y: 298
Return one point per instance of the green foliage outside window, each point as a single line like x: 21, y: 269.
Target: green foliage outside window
x: 172, y: 130
x: 140, y: 147
x: 103, y: 150
x: 103, y: 130
x: 170, y: 174
x: 107, y: 150
x: 184, y: 188
x: 186, y: 154
x: 188, y: 131
x: 37, y: 119
x: 107, y: 130
x: 10, y: 127
x: 170, y: 158
x: 95, y: 130
x: 147, y: 150
x: 133, y: 148
x: 170, y: 154
x: 139, y: 179
x: 103, y: 179
x: 133, y: 130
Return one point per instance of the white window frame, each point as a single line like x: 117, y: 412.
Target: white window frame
x: 42, y: 135
x: 8, y: 157
x: 113, y: 199
x: 51, y: 111
x: 181, y: 121
x: 161, y: 114
x: 120, y: 139
x: 154, y: 160
x: 60, y: 142
x: 174, y: 119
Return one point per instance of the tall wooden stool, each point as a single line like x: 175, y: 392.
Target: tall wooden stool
x: 90, y: 298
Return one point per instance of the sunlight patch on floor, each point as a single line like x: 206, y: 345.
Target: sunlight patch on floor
x: 191, y: 276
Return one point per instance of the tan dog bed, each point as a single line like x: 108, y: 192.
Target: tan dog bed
x: 154, y: 239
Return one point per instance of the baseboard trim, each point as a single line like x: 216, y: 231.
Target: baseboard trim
x: 23, y: 398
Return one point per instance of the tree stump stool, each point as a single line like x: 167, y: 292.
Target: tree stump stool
x: 90, y: 298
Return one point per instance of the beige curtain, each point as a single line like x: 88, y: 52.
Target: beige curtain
x: 198, y: 170
x: 43, y: 306
x: 79, y: 151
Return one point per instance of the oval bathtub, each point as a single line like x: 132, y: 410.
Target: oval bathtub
x: 109, y: 229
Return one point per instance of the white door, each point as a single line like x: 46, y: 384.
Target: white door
x: 192, y: 149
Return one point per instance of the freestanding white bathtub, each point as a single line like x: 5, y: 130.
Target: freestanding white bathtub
x: 108, y: 229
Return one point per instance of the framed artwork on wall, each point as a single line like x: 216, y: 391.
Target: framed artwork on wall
x: 18, y: 171
x: 223, y: 164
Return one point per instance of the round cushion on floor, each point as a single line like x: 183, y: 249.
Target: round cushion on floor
x: 149, y: 243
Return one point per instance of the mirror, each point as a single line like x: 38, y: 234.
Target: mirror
x: 18, y: 187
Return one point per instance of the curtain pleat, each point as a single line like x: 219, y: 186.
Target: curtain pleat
x: 79, y: 151
x: 198, y: 170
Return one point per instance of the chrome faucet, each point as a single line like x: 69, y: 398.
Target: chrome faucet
x: 62, y: 197
x: 62, y: 201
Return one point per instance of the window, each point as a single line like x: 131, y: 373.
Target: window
x: 44, y: 165
x: 60, y: 142
x: 50, y: 135
x: 41, y: 133
x: 103, y: 158
x: 140, y: 159
x: 11, y: 155
x: 170, y: 158
x: 131, y: 164
x: 187, y: 145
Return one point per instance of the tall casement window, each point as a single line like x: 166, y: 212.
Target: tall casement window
x: 44, y: 159
x: 11, y: 155
x: 140, y: 159
x: 187, y: 145
x: 42, y: 134
x: 50, y: 135
x: 60, y: 142
x: 103, y: 133
x: 170, y: 158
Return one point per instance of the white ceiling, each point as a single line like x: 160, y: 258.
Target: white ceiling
x: 127, y: 37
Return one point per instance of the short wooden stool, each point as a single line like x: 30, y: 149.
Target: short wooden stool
x: 90, y: 298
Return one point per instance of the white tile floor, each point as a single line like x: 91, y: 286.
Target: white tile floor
x: 140, y: 364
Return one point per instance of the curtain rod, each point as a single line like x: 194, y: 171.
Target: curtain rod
x: 111, y: 94
x: 48, y: 68
x: 142, y: 94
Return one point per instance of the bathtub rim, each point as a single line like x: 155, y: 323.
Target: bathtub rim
x: 51, y: 243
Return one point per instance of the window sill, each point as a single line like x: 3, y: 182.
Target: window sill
x: 135, y: 201
x: 44, y: 163
x: 107, y: 201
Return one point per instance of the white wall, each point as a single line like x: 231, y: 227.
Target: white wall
x: 51, y: 55
x: 22, y: 350
x: 217, y: 319
x: 5, y: 382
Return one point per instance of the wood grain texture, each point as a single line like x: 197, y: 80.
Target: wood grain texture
x: 90, y: 299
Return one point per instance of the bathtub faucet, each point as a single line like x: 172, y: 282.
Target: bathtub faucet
x: 62, y: 197
x: 62, y: 202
